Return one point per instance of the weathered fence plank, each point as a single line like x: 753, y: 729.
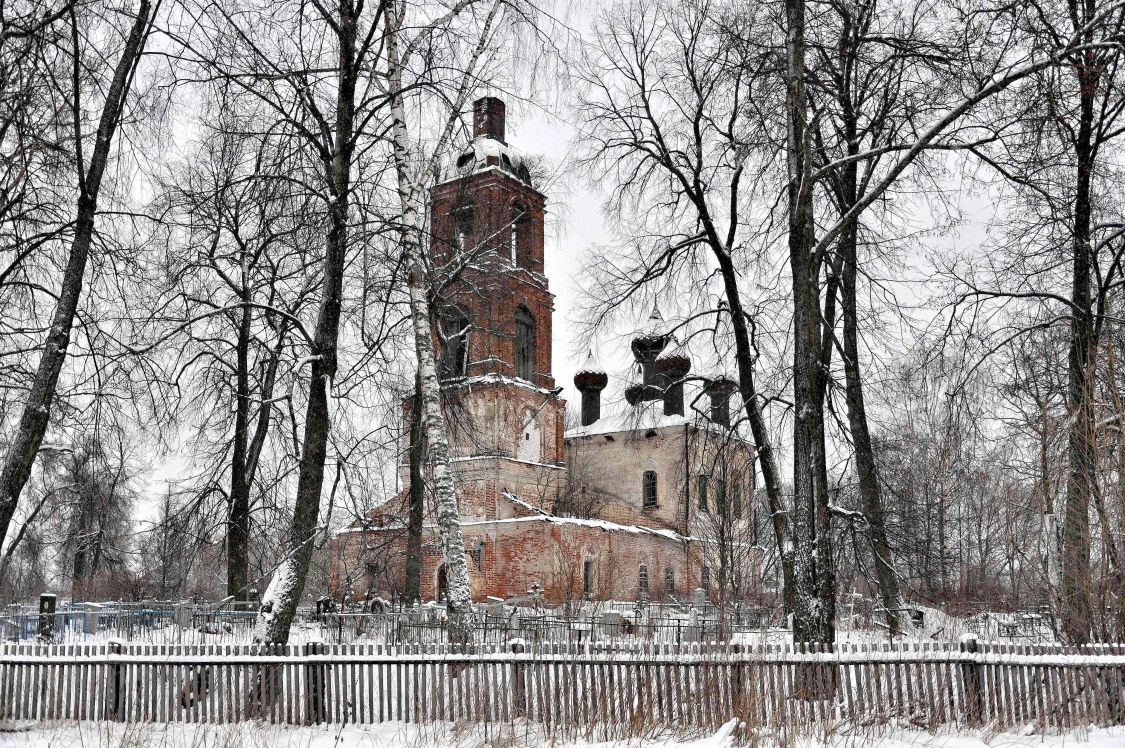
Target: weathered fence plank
x: 566, y: 688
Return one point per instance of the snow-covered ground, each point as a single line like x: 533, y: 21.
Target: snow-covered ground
x: 254, y: 735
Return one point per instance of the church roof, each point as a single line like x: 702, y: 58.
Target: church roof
x: 485, y: 152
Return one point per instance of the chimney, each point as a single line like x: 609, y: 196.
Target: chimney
x: 488, y: 118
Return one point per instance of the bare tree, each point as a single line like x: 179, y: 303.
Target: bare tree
x: 82, y: 82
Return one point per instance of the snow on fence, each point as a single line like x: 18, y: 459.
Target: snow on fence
x: 568, y: 689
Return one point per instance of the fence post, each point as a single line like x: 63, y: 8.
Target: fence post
x: 114, y: 683
x: 972, y: 695
x: 314, y: 685
x: 519, y: 686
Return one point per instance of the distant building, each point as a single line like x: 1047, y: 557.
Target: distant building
x: 649, y: 500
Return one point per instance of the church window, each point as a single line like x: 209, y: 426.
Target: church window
x: 642, y: 578
x: 703, y: 493
x: 736, y: 498
x: 587, y: 577
x: 669, y: 580
x: 525, y: 343
x: 648, y: 488
x: 705, y: 578
x: 721, y: 495
x: 519, y: 220
x: 462, y: 227
x: 454, y: 329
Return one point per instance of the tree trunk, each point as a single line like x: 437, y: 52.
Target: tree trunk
x: 459, y: 599
x: 238, y: 518
x: 763, y: 443
x: 1074, y: 598
x: 37, y: 410
x: 413, y: 588
x: 870, y: 490
x: 814, y: 581
x: 279, y: 602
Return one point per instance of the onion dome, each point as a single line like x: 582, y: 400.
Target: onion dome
x: 640, y: 393
x: 486, y: 152
x: 720, y: 385
x: 592, y: 375
x: 651, y: 338
x: 673, y: 364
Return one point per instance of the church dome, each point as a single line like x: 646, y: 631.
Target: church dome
x: 651, y: 337
x: 486, y: 152
x: 673, y: 363
x: 592, y: 375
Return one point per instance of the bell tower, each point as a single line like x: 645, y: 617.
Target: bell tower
x: 493, y: 325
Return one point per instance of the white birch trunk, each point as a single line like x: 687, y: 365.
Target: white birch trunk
x: 433, y: 420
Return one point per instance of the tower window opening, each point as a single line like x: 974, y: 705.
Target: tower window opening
x: 518, y: 220
x: 462, y: 227
x: 454, y: 331
x: 648, y: 488
x: 525, y: 343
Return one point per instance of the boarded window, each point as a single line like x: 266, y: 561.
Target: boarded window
x: 669, y: 580
x: 454, y: 330
x: 648, y: 488
x: 705, y: 578
x: 642, y: 578
x: 703, y: 493
x: 525, y: 343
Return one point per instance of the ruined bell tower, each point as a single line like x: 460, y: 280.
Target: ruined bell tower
x: 493, y: 325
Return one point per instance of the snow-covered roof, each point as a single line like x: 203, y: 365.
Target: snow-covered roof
x: 486, y: 152
x: 494, y: 379
x: 592, y: 365
x: 643, y: 417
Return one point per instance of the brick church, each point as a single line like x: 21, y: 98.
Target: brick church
x: 649, y: 495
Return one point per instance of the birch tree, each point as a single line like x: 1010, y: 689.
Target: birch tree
x: 412, y: 187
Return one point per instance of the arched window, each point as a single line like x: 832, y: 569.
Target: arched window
x: 648, y: 488
x: 525, y: 343
x: 519, y: 220
x: 462, y: 227
x: 454, y: 329
x: 442, y: 584
x: 587, y: 577
x: 642, y: 578
x: 669, y: 580
x: 705, y: 578
x: 703, y: 493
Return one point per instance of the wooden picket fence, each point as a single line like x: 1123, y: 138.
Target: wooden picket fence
x: 612, y: 691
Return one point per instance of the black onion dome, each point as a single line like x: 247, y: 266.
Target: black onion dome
x: 673, y: 363
x: 639, y: 393
x: 652, y: 337
x: 721, y: 385
x: 595, y: 381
